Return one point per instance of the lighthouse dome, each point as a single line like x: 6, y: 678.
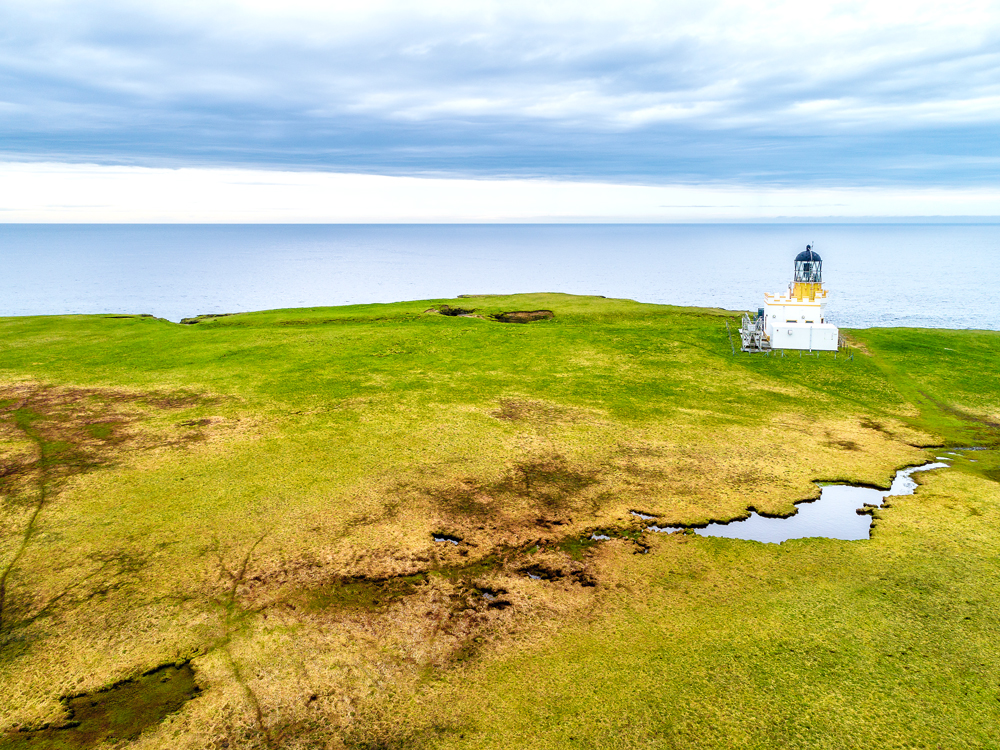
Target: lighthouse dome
x: 808, y: 255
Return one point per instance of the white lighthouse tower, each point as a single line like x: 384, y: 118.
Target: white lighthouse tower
x: 795, y: 319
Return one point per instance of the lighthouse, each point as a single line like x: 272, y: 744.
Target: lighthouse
x: 796, y: 319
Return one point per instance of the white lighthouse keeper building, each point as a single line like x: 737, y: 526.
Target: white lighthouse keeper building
x: 796, y: 320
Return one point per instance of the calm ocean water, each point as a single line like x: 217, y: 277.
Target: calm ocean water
x: 878, y: 275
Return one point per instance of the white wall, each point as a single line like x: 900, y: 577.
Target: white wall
x: 817, y: 338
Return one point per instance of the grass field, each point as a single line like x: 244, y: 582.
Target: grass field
x: 249, y: 503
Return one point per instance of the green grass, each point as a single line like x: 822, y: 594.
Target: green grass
x: 257, y: 492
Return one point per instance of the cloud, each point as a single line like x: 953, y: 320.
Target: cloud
x: 767, y: 92
x: 108, y: 194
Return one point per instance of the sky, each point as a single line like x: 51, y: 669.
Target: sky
x: 218, y: 110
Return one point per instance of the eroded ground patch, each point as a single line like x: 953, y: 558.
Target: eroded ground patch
x: 523, y: 316
x: 119, y: 713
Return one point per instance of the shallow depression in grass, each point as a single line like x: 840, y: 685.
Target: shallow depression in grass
x: 837, y: 514
x: 117, y: 714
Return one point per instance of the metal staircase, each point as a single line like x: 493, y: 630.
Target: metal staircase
x: 752, y: 334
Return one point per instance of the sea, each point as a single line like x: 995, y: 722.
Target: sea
x: 920, y: 275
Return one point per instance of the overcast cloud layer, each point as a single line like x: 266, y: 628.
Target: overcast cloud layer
x: 765, y: 93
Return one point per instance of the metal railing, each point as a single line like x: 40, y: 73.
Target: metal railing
x: 752, y: 334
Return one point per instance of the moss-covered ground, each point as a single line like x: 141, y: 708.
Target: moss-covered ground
x: 257, y: 496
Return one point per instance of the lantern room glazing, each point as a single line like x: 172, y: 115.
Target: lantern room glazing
x: 808, y: 267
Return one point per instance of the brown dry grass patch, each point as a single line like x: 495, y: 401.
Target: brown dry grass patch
x: 535, y: 412
x: 523, y: 316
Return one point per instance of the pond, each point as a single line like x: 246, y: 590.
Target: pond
x: 834, y: 515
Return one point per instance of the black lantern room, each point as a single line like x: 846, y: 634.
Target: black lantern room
x: 808, y: 267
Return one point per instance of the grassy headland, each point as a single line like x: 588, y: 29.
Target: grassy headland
x: 257, y: 496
